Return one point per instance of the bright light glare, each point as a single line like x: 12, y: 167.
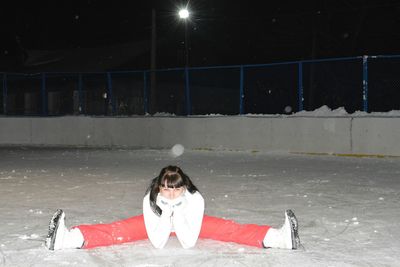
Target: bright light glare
x: 183, y: 13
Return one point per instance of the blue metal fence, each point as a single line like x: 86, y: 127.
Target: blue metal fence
x: 367, y: 83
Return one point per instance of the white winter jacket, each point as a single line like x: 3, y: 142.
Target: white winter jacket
x: 186, y: 223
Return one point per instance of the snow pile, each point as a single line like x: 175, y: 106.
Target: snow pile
x: 323, y: 111
x: 164, y: 114
x: 392, y: 113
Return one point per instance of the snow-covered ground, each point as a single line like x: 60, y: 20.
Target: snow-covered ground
x: 348, y: 208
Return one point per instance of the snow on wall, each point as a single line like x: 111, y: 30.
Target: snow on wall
x: 321, y: 131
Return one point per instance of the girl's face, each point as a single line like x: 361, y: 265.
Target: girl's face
x: 171, y: 193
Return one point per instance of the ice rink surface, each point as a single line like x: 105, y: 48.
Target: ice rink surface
x: 348, y: 208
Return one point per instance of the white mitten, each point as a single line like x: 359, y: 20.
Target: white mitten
x: 165, y: 206
x: 179, y: 204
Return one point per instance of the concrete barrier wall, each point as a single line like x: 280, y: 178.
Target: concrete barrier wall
x: 342, y: 135
x: 376, y: 136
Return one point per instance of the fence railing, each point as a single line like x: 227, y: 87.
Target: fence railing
x: 366, y: 83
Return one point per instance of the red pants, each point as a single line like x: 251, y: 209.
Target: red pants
x: 133, y: 229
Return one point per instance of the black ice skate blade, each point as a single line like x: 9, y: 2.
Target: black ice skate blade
x: 53, y: 227
x: 294, y: 229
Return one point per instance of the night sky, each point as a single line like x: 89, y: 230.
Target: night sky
x: 220, y: 32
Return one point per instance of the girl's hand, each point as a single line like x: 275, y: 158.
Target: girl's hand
x: 165, y: 206
x: 179, y: 203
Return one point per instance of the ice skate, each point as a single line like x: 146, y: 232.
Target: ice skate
x: 56, y: 230
x: 59, y: 237
x: 291, y: 220
x: 285, y: 237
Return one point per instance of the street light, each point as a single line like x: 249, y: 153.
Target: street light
x: 184, y: 14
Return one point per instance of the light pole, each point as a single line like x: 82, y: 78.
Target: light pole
x: 184, y: 14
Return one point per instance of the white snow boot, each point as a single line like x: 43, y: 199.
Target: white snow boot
x: 285, y: 237
x: 59, y: 237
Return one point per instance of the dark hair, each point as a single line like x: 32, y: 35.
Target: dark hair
x: 174, y: 177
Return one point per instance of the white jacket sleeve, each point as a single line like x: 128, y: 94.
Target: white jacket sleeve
x: 188, y: 220
x: 158, y: 227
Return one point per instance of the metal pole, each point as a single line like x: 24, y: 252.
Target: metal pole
x: 44, y: 96
x: 241, y: 91
x: 80, y: 93
x: 4, y: 93
x: 110, y: 94
x: 365, y: 83
x: 186, y: 45
x: 153, y: 65
x: 145, y: 95
x: 187, y: 89
x: 300, y: 87
x: 188, y: 101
